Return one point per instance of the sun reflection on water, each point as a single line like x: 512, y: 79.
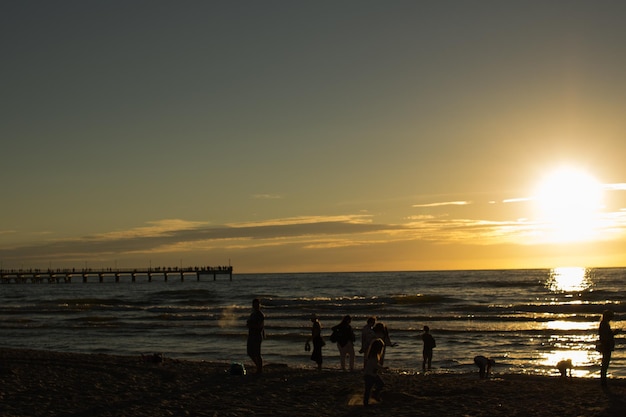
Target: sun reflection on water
x: 569, y: 325
x: 569, y: 279
x: 572, y: 337
x: 582, y: 361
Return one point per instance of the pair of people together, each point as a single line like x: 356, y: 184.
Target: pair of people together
x: 371, y: 331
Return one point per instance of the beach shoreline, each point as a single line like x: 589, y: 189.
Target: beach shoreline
x: 46, y: 383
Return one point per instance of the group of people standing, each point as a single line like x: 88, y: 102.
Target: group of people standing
x: 374, y: 340
x: 343, y: 335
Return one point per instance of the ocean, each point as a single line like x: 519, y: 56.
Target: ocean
x: 526, y: 320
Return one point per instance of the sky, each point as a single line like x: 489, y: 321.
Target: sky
x: 282, y: 136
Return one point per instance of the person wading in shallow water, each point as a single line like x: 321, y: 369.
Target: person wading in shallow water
x: 429, y: 345
x: 367, y: 337
x: 382, y: 332
x: 344, y: 336
x: 607, y: 343
x: 318, y: 341
x: 256, y: 334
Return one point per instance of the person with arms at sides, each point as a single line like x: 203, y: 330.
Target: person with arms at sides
x: 318, y: 341
x: 344, y: 336
x: 256, y: 334
x: 429, y: 345
x: 607, y: 343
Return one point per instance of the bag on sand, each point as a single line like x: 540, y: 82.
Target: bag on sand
x: 237, y: 369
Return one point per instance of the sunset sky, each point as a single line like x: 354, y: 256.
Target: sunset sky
x: 313, y: 136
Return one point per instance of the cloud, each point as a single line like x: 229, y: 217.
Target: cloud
x: 518, y: 200
x: 441, y: 204
x: 155, y: 228
x: 351, y: 218
x: 175, y: 235
x: 421, y: 217
x: 474, y: 231
x: 267, y: 196
x: 615, y: 187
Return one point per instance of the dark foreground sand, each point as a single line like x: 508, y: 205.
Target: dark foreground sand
x: 41, y: 383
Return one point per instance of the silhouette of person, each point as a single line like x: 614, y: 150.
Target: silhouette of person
x: 367, y: 336
x: 484, y: 365
x: 607, y: 343
x: 381, y: 331
x: 563, y: 366
x: 372, y: 366
x: 429, y: 345
x: 345, y: 342
x: 317, y: 339
x: 256, y: 334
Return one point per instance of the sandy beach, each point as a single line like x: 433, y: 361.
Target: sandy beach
x: 43, y: 383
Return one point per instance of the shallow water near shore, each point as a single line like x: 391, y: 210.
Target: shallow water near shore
x: 527, y: 320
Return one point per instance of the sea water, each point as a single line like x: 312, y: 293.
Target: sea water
x: 526, y: 320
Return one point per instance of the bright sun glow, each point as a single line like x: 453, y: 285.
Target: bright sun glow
x: 569, y: 203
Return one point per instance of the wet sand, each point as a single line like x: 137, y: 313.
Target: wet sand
x: 44, y: 383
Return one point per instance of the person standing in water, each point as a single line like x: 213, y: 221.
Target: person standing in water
x: 345, y: 342
x: 607, y: 343
x: 256, y: 334
x: 318, y: 341
x: 367, y: 336
x: 429, y: 345
x: 382, y: 332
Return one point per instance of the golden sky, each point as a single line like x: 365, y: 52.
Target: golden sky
x: 313, y: 136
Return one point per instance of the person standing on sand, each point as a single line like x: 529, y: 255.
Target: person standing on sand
x: 429, y: 345
x: 607, y: 343
x: 256, y: 334
x: 318, y: 341
x: 345, y: 342
x: 372, y: 366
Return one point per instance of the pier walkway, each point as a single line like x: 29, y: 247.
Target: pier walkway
x: 105, y: 275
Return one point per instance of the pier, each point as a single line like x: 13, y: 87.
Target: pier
x: 105, y: 275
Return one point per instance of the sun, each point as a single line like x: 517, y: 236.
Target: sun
x: 568, y: 201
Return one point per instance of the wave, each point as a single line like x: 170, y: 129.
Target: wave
x: 94, y: 319
x: 512, y: 315
x: 86, y: 301
x: 422, y: 299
